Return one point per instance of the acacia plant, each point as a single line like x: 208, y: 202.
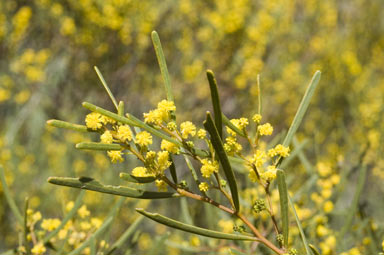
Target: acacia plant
x: 222, y: 143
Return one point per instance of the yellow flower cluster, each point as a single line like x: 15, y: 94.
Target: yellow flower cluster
x: 265, y: 129
x: 239, y: 123
x: 50, y: 224
x: 124, y: 133
x: 141, y: 172
x: 161, y: 185
x: 204, y: 186
x: 161, y: 114
x: 231, y: 146
x: 209, y: 167
x: 279, y: 150
x: 256, y: 118
x: 38, y: 249
x: 106, y: 137
x: 115, y: 156
x: 94, y: 121
x: 170, y: 147
x: 187, y: 129
x: 143, y: 138
x: 270, y: 174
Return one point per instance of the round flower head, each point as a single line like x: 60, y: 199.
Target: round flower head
x: 256, y: 118
x: 124, y: 133
x: 265, y: 129
x: 203, y: 186
x: 187, y: 129
x: 106, y: 137
x: 94, y: 121
x: 170, y: 147
x: 143, y: 138
x: 115, y: 156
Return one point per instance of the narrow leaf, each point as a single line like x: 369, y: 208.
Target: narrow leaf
x: 193, y: 229
x: 91, y: 184
x: 172, y: 169
x: 99, y: 146
x: 10, y: 200
x: 303, y: 238
x: 135, y: 179
x: 120, y: 110
x: 229, y: 124
x: 215, y: 102
x: 302, y: 108
x: 313, y: 249
x: 68, y: 125
x: 163, y: 65
x: 283, y: 193
x: 67, y: 217
x: 219, y: 148
x: 105, y: 85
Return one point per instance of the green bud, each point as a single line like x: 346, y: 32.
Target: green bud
x: 259, y: 206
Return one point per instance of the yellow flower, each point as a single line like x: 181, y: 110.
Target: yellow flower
x: 38, y: 249
x: 163, y: 160
x: 83, y: 211
x: 124, y: 133
x: 115, y: 156
x: 170, y: 147
x: 328, y: 207
x: 270, y: 174
x: 187, y: 129
x: 265, y: 129
x: 162, y: 113
x: 143, y: 138
x: 203, y: 186
x: 166, y: 106
x: 93, y: 121
x: 279, y: 150
x: 96, y: 222
x: 256, y: 118
x: 106, y: 137
x: 50, y: 224
x: 140, y: 172
x: 209, y: 167
x: 201, y: 133
x: 258, y: 158
x: 239, y: 123
x: 231, y: 146
x: 69, y: 206
x: 321, y: 231
x: 107, y: 120
x: 161, y: 185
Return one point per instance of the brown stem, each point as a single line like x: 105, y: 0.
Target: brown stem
x: 261, y: 238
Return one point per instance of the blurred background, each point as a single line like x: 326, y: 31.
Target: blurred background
x: 48, y: 49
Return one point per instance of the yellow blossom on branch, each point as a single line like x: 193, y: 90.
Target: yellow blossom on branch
x: 203, y: 186
x: 93, y: 121
x: 187, y: 128
x: 143, y: 138
x: 115, y: 156
x: 265, y: 129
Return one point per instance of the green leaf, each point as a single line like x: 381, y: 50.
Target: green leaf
x: 303, y: 238
x: 67, y: 217
x: 133, y: 121
x: 124, y: 237
x: 91, y: 184
x: 283, y: 193
x: 313, y: 249
x: 120, y: 110
x: 193, y: 229
x: 302, y: 108
x: 105, y: 85
x: 172, y: 169
x: 9, y: 198
x: 229, y: 124
x: 218, y: 146
x: 135, y: 179
x: 68, y: 125
x: 163, y: 65
x: 215, y: 102
x: 99, y: 146
x: 355, y: 202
